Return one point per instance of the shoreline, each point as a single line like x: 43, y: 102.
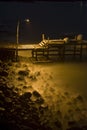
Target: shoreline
x: 52, y: 93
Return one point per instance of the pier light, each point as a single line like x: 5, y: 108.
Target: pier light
x: 27, y: 20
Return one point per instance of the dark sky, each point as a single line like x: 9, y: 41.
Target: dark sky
x: 54, y: 19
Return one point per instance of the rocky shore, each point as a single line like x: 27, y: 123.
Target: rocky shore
x: 24, y: 107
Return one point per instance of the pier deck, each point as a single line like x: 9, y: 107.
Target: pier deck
x: 52, y: 51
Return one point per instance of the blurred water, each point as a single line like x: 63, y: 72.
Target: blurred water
x: 70, y: 76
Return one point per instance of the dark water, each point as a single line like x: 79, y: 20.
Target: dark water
x: 54, y: 19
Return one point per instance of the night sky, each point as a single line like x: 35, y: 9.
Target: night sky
x: 54, y: 19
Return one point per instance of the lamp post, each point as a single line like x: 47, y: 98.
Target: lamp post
x: 17, y: 37
x: 17, y: 40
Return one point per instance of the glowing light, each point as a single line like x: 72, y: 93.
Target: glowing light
x: 27, y: 20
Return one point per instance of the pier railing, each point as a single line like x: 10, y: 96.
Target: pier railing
x: 58, y: 50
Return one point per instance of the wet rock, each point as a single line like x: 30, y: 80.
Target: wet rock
x: 3, y: 81
x: 18, y: 112
x: 0, y: 62
x: 3, y: 87
x: 37, y: 73
x: 78, y: 99
x: 26, y: 96
x: 24, y: 65
x: 7, y: 92
x: 45, y: 127
x: 23, y: 72
x: 45, y: 106
x: 72, y: 123
x: 59, y: 114
x: 66, y: 94
x: 24, y: 87
x: 2, y: 109
x: 58, y: 124
x: 36, y: 94
x: 31, y: 124
x: 24, y: 127
x: 1, y: 93
x: 84, y: 127
x: 10, y: 63
x: 32, y: 77
x: 17, y: 65
x: 4, y: 65
x: 8, y: 100
x: 1, y: 97
x: 5, y: 125
x: 16, y: 89
x: 40, y: 101
x: 36, y: 97
x: 20, y: 78
x: 75, y: 128
x: 3, y: 73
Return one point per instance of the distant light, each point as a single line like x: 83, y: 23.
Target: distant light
x: 27, y: 20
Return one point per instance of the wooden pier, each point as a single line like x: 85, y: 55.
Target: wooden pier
x: 58, y: 50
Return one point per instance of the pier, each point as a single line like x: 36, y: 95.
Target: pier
x: 51, y: 51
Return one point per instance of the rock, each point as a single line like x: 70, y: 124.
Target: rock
x: 2, y: 97
x: 10, y: 63
x: 5, y: 125
x: 24, y: 65
x: 78, y: 99
x: 20, y: 78
x: 24, y: 87
x: 42, y: 109
x: 8, y: 100
x: 1, y: 92
x: 17, y: 65
x: 8, y: 92
x: 37, y: 73
x: 36, y: 94
x: 31, y: 124
x: 75, y: 128
x: 84, y: 127
x: 58, y: 124
x: 3, y: 88
x: 2, y: 109
x: 3, y: 73
x: 40, y: 100
x: 72, y: 123
x: 32, y: 77
x: 24, y: 127
x: 44, y: 127
x: 59, y: 114
x: 23, y: 72
x: 26, y: 96
x: 0, y: 62
x: 45, y: 106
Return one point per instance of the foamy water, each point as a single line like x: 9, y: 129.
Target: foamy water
x: 61, y: 86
